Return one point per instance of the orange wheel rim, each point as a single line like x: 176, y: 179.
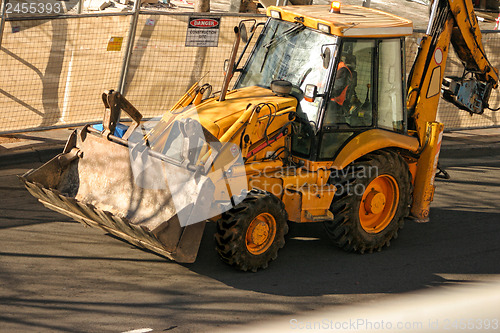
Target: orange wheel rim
x: 378, y: 204
x: 260, y: 233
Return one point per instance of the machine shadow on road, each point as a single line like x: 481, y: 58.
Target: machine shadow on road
x: 18, y: 209
x: 460, y: 240
x: 309, y: 265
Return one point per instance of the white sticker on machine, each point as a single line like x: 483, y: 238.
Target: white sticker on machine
x: 438, y: 56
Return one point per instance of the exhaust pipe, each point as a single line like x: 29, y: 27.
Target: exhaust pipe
x: 230, y: 70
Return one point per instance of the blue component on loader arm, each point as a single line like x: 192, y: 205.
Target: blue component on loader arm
x: 119, y: 130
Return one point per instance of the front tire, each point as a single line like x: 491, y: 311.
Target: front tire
x: 372, y: 200
x: 250, y: 235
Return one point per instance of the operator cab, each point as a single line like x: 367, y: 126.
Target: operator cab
x: 344, y: 84
x: 365, y: 91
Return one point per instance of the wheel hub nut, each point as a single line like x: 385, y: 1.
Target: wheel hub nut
x: 375, y: 202
x: 260, y: 233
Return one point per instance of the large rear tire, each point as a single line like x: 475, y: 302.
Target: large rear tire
x: 372, y: 200
x: 250, y: 235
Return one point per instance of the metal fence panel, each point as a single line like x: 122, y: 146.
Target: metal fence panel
x: 54, y: 70
x: 162, y: 69
x: 40, y: 8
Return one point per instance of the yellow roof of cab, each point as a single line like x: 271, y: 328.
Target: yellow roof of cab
x: 353, y: 21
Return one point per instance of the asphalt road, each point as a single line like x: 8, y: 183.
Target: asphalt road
x: 57, y: 276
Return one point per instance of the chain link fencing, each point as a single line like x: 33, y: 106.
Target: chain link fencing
x: 162, y: 68
x: 55, y: 68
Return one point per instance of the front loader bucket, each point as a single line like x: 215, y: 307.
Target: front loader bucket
x: 93, y: 182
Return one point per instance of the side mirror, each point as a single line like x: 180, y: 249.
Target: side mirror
x: 326, y: 55
x: 310, y: 92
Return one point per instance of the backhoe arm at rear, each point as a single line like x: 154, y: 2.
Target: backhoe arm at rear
x: 451, y: 22
x: 467, y: 41
x: 470, y: 92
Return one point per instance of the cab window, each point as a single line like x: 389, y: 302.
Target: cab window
x: 349, y: 107
x: 350, y: 101
x: 390, y: 86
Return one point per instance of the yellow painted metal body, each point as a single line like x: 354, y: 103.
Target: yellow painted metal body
x: 243, y: 119
x: 304, y: 190
x: 370, y: 141
x: 364, y: 143
x: 352, y: 21
x: 423, y: 192
x: 306, y: 194
x: 462, y: 29
x: 219, y: 117
x: 427, y: 80
x: 467, y: 40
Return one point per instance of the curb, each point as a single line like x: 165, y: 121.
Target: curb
x: 42, y: 155
x: 492, y: 146
x: 471, y: 143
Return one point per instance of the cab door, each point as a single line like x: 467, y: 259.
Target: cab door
x: 365, y: 92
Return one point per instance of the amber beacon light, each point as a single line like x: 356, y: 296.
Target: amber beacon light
x: 335, y: 7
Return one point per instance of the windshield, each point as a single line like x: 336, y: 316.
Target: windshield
x: 292, y: 52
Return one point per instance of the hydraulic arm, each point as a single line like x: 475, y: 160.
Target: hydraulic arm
x: 451, y: 21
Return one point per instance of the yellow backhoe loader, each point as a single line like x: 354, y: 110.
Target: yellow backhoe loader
x: 322, y: 125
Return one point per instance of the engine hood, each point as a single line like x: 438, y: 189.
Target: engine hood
x: 217, y: 116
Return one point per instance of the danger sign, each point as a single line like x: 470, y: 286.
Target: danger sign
x: 204, y: 23
x: 203, y: 32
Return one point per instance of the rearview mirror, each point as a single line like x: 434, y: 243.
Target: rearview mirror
x: 326, y: 56
x: 243, y: 32
x: 310, y: 92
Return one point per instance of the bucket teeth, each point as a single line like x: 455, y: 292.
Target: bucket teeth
x: 35, y: 189
x: 89, y: 215
x: 88, y: 211
x: 105, y: 220
x: 98, y: 189
x: 122, y: 223
x: 70, y: 203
